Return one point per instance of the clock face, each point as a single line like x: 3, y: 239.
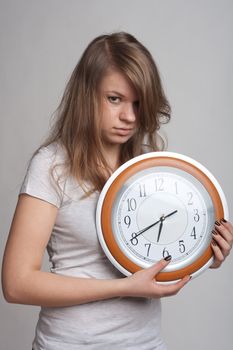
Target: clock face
x: 161, y: 212
x: 158, y: 206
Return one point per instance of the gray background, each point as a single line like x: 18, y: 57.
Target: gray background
x: 191, y: 41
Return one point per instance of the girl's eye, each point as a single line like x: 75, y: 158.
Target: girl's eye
x: 114, y: 99
x: 136, y: 104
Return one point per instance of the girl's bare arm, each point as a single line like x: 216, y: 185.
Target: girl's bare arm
x: 24, y: 283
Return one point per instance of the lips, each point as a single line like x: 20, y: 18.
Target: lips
x: 123, y: 131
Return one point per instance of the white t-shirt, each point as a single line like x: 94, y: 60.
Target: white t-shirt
x: 74, y: 250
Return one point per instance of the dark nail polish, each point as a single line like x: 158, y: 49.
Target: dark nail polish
x: 213, y: 242
x: 215, y: 232
x: 168, y: 258
x: 223, y: 220
x: 188, y: 279
x: 217, y: 223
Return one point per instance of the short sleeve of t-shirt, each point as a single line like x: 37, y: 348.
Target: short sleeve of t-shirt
x: 40, y: 179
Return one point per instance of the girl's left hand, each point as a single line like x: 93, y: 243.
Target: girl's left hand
x: 222, y: 242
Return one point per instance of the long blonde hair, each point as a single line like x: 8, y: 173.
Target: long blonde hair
x: 77, y: 117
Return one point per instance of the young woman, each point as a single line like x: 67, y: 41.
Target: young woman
x: 113, y: 102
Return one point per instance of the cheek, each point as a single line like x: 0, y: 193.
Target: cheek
x: 107, y: 118
x: 105, y: 121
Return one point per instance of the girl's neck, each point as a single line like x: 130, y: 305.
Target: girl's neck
x: 112, y: 156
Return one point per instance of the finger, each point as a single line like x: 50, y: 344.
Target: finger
x: 153, y: 270
x: 173, y: 289
x: 227, y: 224
x: 226, y: 230
x: 222, y: 243
x: 218, y: 256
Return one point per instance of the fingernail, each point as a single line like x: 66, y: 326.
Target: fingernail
x: 223, y: 220
x: 213, y: 242
x: 215, y: 232
x: 168, y: 258
x: 217, y: 223
x: 190, y: 277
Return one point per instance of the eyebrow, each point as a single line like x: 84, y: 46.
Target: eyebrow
x: 118, y: 93
x: 115, y: 92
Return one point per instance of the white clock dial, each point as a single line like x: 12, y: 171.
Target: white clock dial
x: 159, y: 212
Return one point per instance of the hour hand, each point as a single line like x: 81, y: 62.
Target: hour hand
x: 160, y: 228
x: 161, y: 222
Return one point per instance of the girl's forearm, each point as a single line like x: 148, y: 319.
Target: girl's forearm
x: 48, y: 289
x: 51, y: 290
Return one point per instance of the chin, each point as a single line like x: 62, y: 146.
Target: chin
x: 121, y: 139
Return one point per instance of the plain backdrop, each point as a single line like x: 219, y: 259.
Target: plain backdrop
x: 191, y: 41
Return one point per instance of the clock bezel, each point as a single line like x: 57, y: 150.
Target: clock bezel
x: 115, y: 182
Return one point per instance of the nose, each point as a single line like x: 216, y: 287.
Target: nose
x: 128, y: 113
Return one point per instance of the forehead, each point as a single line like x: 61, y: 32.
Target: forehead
x: 115, y: 81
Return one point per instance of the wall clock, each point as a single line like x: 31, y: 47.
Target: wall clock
x: 159, y: 204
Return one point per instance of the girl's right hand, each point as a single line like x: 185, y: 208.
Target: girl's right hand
x: 143, y: 283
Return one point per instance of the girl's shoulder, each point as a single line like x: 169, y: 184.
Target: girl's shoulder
x: 53, y: 152
x: 44, y: 177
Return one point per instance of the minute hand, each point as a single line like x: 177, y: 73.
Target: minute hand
x: 175, y: 211
x: 155, y: 223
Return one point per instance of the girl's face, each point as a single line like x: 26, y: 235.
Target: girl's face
x: 118, y: 119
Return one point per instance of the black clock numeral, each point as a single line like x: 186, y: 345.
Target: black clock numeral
x: 148, y: 245
x: 159, y: 183
x: 134, y: 239
x: 132, y: 204
x: 165, y: 253
x: 196, y: 215
x: 127, y: 220
x: 193, y: 233
x: 142, y: 189
x: 181, y: 246
x: 190, y: 198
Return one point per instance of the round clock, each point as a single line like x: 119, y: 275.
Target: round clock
x: 160, y: 204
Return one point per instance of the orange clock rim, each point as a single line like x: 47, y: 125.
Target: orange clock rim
x: 106, y: 213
